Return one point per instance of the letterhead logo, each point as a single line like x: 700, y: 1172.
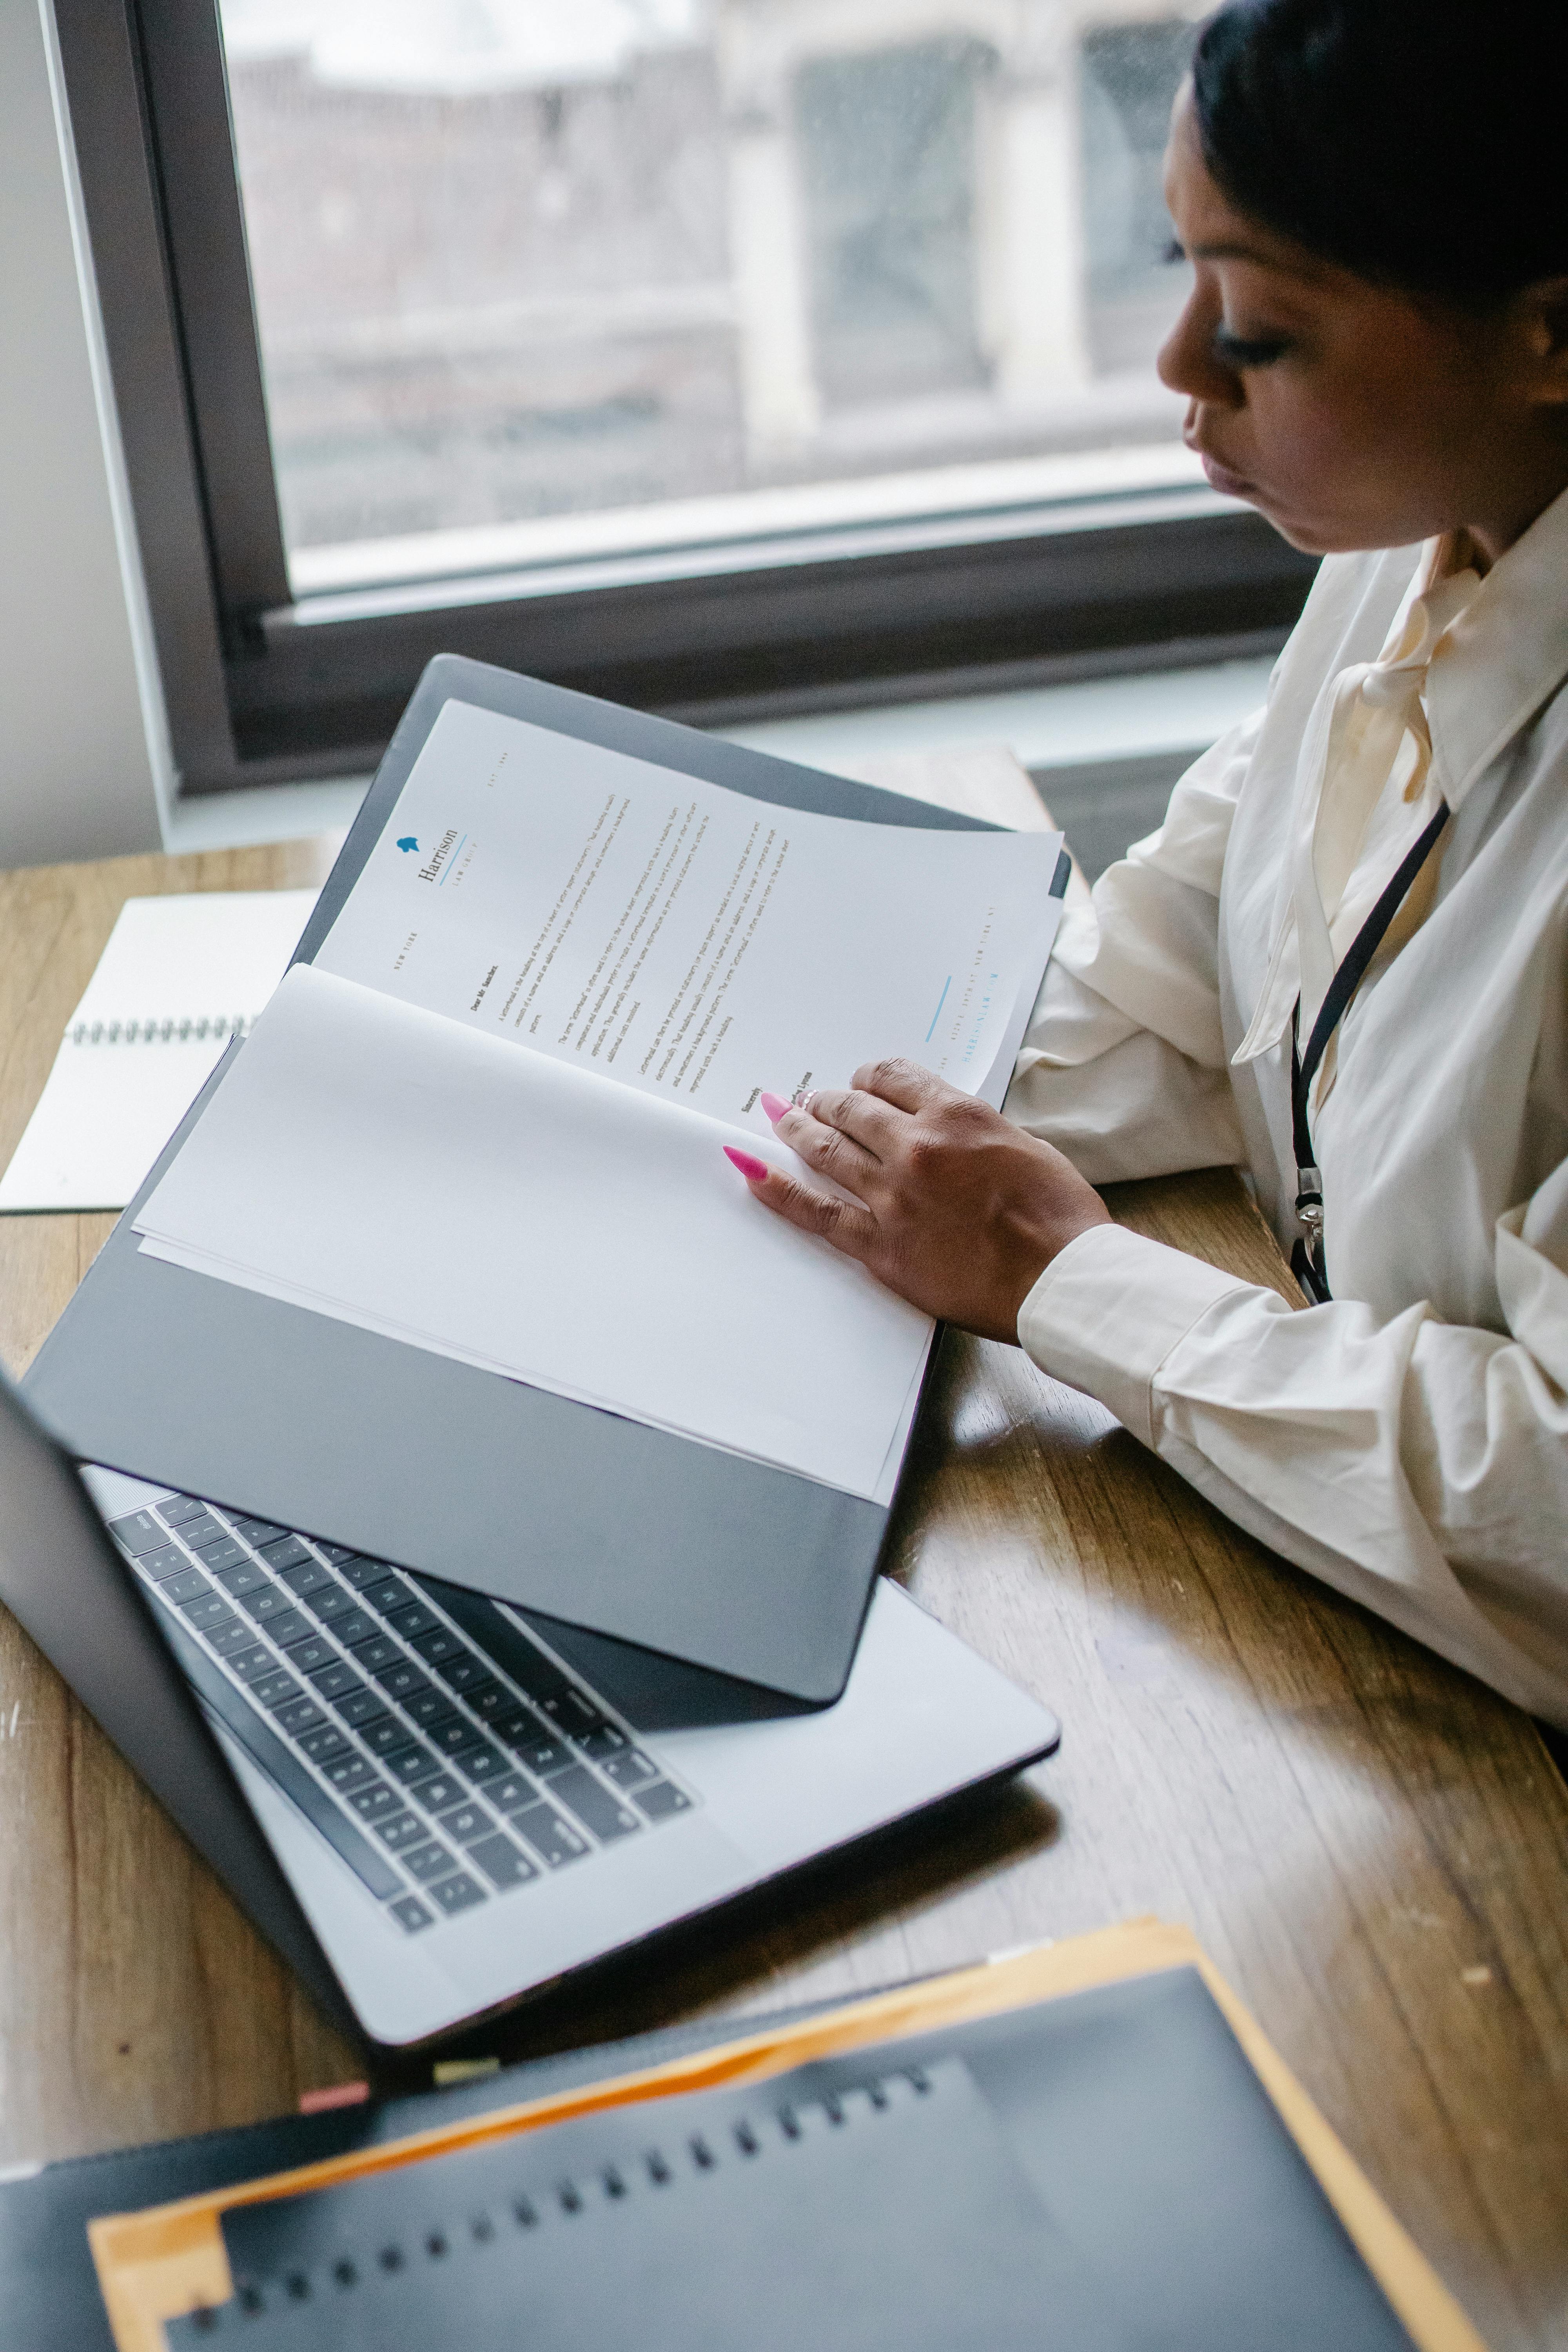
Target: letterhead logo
x: 433, y: 870
x: 408, y: 842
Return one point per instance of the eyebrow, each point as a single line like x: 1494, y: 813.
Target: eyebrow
x: 1223, y: 250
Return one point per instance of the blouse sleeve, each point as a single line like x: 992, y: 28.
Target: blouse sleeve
x: 1418, y: 1466
x: 1123, y: 1065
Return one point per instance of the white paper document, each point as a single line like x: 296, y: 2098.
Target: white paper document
x: 682, y: 938
x: 374, y: 1161
x: 179, y: 977
x: 487, y: 1120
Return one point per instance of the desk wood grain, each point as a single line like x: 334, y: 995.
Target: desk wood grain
x: 1373, y: 1847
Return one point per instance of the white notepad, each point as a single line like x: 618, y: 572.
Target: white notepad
x: 179, y: 977
x: 488, y: 1118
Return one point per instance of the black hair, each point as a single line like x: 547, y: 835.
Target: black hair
x: 1418, y: 143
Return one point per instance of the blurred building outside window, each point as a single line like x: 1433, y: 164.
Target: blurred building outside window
x: 542, y: 280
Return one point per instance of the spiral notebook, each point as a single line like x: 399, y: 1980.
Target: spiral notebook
x: 1089, y: 2147
x: 180, y: 976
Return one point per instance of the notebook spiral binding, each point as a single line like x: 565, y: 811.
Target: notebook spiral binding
x: 159, y: 1033
x: 699, y: 2153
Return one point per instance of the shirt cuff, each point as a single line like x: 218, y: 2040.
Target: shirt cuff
x: 1108, y: 1309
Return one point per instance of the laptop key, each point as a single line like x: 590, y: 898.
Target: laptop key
x: 661, y: 1799
x: 300, y: 1715
x: 138, y: 1532
x: 311, y: 1654
x: 185, y: 1586
x: 630, y: 1768
x: 572, y: 1712
x: 403, y: 1681
x: 481, y: 1763
x: 339, y: 1554
x: 269, y: 1602
x: 456, y: 1732
x: 488, y: 1700
x: 458, y: 1892
x: 514, y: 1789
x: 288, y: 1627
x: 355, y: 1624
x: 221, y: 1552
x: 201, y: 1529
x: 209, y: 1611
x: 337, y: 1680
x: 592, y: 1803
x: 273, y: 1689
x: 603, y: 1744
x: 331, y: 1604
x: 466, y: 1822
x: 378, y: 1651
x: 504, y: 1865
x: 463, y: 1674
x: 427, y: 1862
x: 361, y: 1706
x: 360, y: 1572
x: 289, y: 1553
x: 386, y: 1734
x: 376, y: 1801
x: 549, y: 1835
x: 543, y: 1755
x: 411, y: 1617
x: 348, y: 1772
x: 385, y: 1595
x: 175, y: 1509
x: 248, y: 1663
x: 321, y: 1746
x: 437, y: 1794
x: 160, y: 1564
x: 309, y: 1577
x: 429, y: 1706
x: 399, y: 1830
x: 413, y: 1765
x: 244, y: 1577
x: 439, y: 1645
x: 411, y: 1913
x: 229, y: 1640
x: 259, y: 1531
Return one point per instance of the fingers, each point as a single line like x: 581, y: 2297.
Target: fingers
x: 846, y: 1223
x: 903, y: 1084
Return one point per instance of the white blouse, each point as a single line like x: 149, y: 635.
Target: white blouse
x: 1407, y: 1442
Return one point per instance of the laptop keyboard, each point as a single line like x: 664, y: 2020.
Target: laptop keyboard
x: 446, y: 1769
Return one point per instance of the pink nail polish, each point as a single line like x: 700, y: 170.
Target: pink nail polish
x: 754, y: 1171
x: 775, y: 1106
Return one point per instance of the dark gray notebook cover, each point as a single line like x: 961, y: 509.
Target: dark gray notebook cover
x: 755, y: 1572
x: 1102, y: 2170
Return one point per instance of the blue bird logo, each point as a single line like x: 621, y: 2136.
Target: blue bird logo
x: 408, y: 842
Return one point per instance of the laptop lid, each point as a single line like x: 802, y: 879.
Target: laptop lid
x: 590, y: 1518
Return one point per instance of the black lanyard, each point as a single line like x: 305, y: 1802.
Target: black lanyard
x: 1307, y: 1257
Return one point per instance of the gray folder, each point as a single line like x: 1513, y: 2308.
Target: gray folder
x: 754, y: 1572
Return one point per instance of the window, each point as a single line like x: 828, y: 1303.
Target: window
x: 702, y: 352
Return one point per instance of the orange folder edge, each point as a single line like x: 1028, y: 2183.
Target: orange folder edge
x: 158, y: 2264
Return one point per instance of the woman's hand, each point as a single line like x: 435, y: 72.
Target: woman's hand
x: 950, y: 1205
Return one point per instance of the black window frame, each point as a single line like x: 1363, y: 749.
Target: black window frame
x: 261, y: 688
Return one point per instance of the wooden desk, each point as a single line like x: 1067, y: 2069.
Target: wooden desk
x: 1373, y: 1849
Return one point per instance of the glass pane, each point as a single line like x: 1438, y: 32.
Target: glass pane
x: 538, y: 278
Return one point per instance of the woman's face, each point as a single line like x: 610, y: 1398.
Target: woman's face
x: 1351, y: 415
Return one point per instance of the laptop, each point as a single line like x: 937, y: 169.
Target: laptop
x: 434, y: 1803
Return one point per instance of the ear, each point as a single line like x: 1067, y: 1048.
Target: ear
x: 1540, y: 319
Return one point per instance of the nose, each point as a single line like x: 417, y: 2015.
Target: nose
x: 1187, y: 362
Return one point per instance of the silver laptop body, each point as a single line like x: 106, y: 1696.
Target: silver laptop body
x: 435, y: 1805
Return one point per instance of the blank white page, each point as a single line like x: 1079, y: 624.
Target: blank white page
x: 418, y: 1177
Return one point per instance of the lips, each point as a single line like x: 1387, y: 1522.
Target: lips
x: 1221, y: 479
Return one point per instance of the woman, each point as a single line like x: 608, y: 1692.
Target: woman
x: 1375, y: 354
